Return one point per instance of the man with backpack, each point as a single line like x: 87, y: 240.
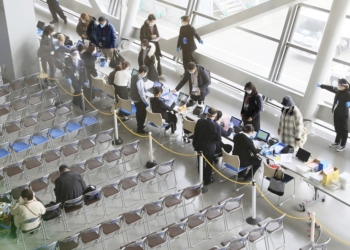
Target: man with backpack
x: 199, y: 81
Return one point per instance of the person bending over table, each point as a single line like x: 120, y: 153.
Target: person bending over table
x: 244, y: 148
x: 224, y: 133
x: 207, y: 135
x: 199, y: 81
x: 158, y: 106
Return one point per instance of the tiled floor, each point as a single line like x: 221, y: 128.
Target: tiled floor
x: 331, y: 213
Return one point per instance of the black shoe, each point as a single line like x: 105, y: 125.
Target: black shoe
x: 247, y: 179
x: 54, y: 21
x: 216, y: 160
x: 141, y: 131
x: 210, y: 182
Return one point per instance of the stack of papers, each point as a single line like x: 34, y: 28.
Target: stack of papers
x: 316, y: 177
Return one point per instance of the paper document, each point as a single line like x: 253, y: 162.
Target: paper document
x: 169, y: 98
x: 286, y: 158
x: 156, y: 39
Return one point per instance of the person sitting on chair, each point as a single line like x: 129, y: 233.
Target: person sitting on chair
x: 224, y: 133
x: 158, y: 106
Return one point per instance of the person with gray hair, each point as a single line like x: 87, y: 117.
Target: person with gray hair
x: 340, y: 110
x: 290, y: 128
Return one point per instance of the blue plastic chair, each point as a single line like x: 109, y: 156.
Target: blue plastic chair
x: 40, y: 138
x: 5, y: 151
x: 20, y: 232
x: 126, y: 106
x: 91, y: 119
x: 20, y: 145
x: 74, y: 126
x: 57, y: 131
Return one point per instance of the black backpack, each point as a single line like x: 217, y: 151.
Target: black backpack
x: 91, y: 188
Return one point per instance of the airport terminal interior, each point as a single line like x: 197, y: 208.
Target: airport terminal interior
x: 284, y: 47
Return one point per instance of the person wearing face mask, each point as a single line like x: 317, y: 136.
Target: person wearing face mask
x: 106, y: 37
x: 199, y: 82
x: 147, y: 57
x: 186, y: 42
x: 138, y: 96
x: 340, y: 110
x: 26, y: 208
x: 149, y: 31
x: 244, y: 148
x: 290, y: 127
x: 45, y: 49
x: 75, y: 73
x: 251, y: 107
x: 89, y: 61
x: 55, y: 8
x: 86, y: 28
x: 224, y: 133
x: 60, y: 51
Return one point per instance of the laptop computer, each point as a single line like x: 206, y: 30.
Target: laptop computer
x: 134, y: 72
x: 261, y: 138
x: 303, y: 155
x: 155, y: 84
x: 205, y: 112
x: 235, y: 122
x: 181, y: 99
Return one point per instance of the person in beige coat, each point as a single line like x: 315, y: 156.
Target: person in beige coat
x: 25, y: 208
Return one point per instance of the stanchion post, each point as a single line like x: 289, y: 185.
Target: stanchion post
x: 201, y: 171
x: 82, y: 101
x: 313, y: 224
x: 117, y: 139
x: 253, y: 220
x: 151, y: 163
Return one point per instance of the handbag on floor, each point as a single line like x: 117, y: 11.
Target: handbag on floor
x: 277, y: 184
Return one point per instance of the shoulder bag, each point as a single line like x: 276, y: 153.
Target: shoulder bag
x: 277, y: 184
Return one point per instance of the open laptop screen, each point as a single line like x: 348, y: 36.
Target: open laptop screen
x: 134, y: 72
x: 182, y: 99
x: 157, y: 84
x: 234, y: 122
x: 262, y: 135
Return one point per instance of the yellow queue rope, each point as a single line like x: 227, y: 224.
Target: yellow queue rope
x: 186, y: 155
x: 331, y: 234
x: 67, y: 92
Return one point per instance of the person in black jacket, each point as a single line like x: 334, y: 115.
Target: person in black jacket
x: 45, y: 49
x: 68, y: 186
x: 340, y: 110
x: 244, y: 148
x: 186, y: 42
x: 251, y: 107
x: 55, y: 8
x: 86, y: 28
x: 60, y: 52
x: 149, y: 31
x: 199, y: 82
x: 224, y: 133
x: 158, y: 106
x: 207, y: 134
x: 147, y: 57
x: 89, y: 61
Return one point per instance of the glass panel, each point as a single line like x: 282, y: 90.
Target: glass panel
x: 182, y: 3
x: 106, y: 4
x: 309, y: 28
x: 86, y: 2
x: 324, y: 4
x: 242, y: 49
x: 342, y: 51
x: 168, y: 17
x: 270, y: 25
x: 296, y: 69
x: 337, y: 71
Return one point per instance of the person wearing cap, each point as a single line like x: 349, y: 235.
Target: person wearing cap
x: 244, y: 148
x: 199, y: 81
x: 149, y: 31
x: 68, y: 185
x: 251, y: 107
x: 290, y: 128
x: 340, y: 110
x: 207, y: 134
x: 76, y: 76
x: 106, y: 37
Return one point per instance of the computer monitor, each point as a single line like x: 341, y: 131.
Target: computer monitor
x: 182, y: 99
x: 134, y: 72
x: 303, y: 155
x: 157, y: 84
x: 235, y: 122
x: 262, y: 135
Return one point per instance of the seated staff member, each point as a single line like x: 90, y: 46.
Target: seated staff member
x: 207, y: 134
x: 224, y: 133
x: 158, y: 106
x: 244, y: 148
x: 138, y: 96
x: 199, y: 82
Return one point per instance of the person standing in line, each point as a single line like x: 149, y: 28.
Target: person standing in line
x: 91, y: 71
x: 45, y: 49
x: 251, y: 107
x: 207, y: 135
x: 138, y: 96
x: 149, y: 31
x: 122, y: 79
x: 244, y: 148
x: 55, y: 8
x: 224, y: 133
x: 340, y: 110
x: 75, y: 73
x: 290, y: 127
x: 60, y: 52
x: 147, y: 57
x: 199, y: 82
x: 186, y: 42
x: 106, y: 37
x: 86, y: 28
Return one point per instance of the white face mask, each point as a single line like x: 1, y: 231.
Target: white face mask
x: 144, y: 47
x: 83, y: 21
x: 183, y: 23
x: 285, y: 107
x: 152, y: 24
x: 248, y: 91
x: 191, y: 72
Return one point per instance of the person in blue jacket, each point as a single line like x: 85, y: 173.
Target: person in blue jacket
x: 75, y: 73
x: 106, y: 37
